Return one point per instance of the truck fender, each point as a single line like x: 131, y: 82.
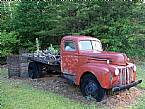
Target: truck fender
x: 102, y: 74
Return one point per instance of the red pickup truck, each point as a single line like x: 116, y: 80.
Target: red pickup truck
x: 83, y: 62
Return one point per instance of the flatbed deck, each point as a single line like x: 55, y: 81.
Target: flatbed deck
x: 49, y: 59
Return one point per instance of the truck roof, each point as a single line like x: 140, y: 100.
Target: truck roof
x: 79, y: 37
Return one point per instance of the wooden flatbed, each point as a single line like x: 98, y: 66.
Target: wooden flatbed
x: 40, y: 64
x: 48, y: 60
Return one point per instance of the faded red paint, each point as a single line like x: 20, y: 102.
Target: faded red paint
x: 78, y: 62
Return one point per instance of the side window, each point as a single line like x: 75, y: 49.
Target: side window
x: 69, y: 46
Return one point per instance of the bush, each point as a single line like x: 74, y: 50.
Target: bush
x: 9, y: 43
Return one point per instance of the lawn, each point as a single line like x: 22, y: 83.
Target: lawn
x: 141, y: 74
x: 20, y: 95
x: 140, y: 102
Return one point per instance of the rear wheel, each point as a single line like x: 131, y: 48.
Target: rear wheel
x: 90, y: 87
x: 33, y: 70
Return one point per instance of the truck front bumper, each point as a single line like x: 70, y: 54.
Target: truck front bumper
x: 119, y: 88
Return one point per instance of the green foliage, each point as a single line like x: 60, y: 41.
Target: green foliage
x: 120, y: 25
x: 8, y: 43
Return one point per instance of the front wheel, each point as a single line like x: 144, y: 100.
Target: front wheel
x: 89, y: 86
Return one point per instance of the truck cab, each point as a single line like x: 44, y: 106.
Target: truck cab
x: 84, y: 62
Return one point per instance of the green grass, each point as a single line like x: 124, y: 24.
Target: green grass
x: 3, y: 72
x: 141, y: 74
x: 25, y: 97
x: 20, y: 95
x: 140, y: 101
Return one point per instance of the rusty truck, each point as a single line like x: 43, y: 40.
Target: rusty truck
x: 83, y: 62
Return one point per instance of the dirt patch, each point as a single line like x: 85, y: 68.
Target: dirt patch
x: 123, y: 99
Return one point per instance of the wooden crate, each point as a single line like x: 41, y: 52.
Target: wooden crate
x: 17, y: 66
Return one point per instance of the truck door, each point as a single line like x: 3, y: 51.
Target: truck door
x: 69, y: 59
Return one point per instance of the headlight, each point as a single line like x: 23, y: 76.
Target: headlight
x: 116, y: 71
x: 128, y: 59
x: 134, y: 68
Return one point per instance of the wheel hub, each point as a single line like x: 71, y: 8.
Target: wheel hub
x: 91, y: 88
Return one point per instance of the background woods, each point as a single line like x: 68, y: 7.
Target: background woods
x: 120, y: 25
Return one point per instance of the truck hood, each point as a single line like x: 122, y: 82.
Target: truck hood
x: 113, y: 57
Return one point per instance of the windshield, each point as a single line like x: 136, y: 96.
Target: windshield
x: 90, y: 45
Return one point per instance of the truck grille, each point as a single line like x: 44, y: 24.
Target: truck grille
x: 126, y: 75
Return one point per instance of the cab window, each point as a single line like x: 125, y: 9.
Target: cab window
x: 69, y: 46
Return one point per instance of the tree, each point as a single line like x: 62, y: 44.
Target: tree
x: 8, y: 43
x: 120, y: 25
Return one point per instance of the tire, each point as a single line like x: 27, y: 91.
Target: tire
x: 90, y: 87
x: 33, y: 71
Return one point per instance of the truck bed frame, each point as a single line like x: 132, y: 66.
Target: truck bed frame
x: 46, y: 63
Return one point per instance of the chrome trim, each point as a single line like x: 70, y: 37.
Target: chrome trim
x: 125, y: 75
x: 121, y: 76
